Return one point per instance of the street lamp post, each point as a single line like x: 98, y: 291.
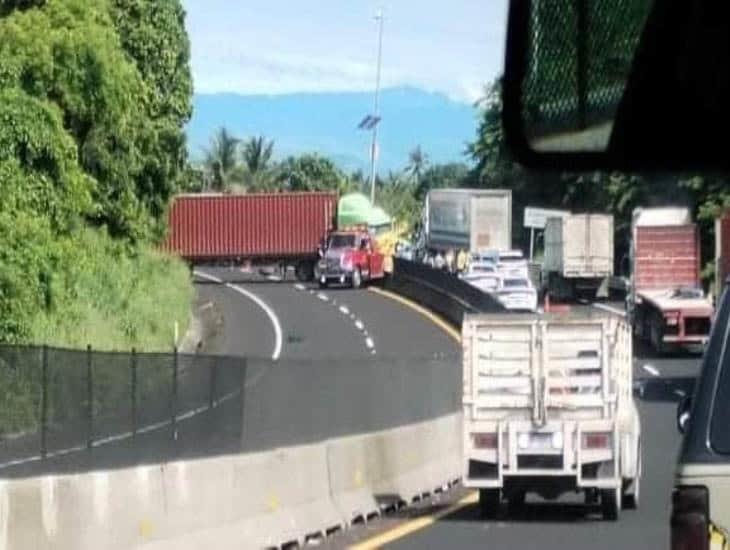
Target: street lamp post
x: 376, y: 113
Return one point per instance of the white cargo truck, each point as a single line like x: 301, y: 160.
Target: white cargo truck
x: 468, y: 219
x: 548, y: 408
x: 578, y: 259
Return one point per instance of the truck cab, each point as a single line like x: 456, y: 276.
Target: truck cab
x: 349, y: 257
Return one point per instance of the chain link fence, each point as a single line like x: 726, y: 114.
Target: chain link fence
x: 67, y: 411
x: 580, y: 54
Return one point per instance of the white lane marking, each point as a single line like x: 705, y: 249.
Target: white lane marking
x: 680, y: 393
x: 300, y: 286
x: 373, y: 352
x: 610, y: 309
x: 205, y: 306
x: 345, y: 310
x: 369, y: 343
x: 323, y: 297
x: 650, y: 369
x: 278, y: 339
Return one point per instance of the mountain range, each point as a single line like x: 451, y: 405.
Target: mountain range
x: 327, y: 123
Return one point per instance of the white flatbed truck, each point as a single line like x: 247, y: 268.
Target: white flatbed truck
x: 548, y: 408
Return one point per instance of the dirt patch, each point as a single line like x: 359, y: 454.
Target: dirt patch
x: 205, y: 333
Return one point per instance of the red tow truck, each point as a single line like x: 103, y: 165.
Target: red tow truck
x: 349, y: 256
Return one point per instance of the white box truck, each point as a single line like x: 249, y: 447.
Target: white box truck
x: 548, y: 408
x: 578, y: 260
x: 468, y: 219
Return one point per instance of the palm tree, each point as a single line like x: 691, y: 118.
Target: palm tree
x: 417, y: 163
x: 220, y: 158
x: 257, y: 153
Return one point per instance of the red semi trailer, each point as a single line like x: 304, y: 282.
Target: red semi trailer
x: 667, y: 304
x: 275, y: 228
x: 722, y: 252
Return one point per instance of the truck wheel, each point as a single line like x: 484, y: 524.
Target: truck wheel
x: 630, y: 499
x: 516, y: 503
x: 656, y: 337
x: 356, y: 278
x: 304, y: 272
x: 489, y: 500
x: 611, y: 503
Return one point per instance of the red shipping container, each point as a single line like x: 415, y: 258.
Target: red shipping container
x: 666, y: 257
x: 277, y: 226
x: 722, y: 245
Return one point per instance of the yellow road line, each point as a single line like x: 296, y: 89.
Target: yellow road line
x: 435, y: 319
x: 411, y: 527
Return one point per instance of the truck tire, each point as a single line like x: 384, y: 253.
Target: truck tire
x: 516, y: 503
x: 655, y: 335
x: 610, y: 503
x: 356, y: 279
x: 630, y: 497
x: 304, y: 272
x: 489, y: 501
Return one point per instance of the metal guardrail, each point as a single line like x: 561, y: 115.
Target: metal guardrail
x: 440, y: 291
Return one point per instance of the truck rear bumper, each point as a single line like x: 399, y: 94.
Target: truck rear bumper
x: 564, y: 461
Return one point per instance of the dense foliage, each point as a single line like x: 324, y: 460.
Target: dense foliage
x: 92, y: 108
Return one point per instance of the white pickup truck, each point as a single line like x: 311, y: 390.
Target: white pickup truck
x: 548, y: 408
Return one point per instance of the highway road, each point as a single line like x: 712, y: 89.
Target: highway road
x: 319, y: 324
x: 338, y: 323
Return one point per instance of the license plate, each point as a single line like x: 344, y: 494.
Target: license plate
x: 541, y: 441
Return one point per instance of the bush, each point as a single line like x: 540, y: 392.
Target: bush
x: 113, y: 296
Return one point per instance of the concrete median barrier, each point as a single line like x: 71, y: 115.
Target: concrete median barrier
x: 369, y: 473
x: 256, y: 500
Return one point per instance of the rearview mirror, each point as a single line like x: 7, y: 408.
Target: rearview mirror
x: 617, y: 84
x: 683, y: 413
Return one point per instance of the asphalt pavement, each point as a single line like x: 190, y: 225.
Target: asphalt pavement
x: 359, y: 324
x: 320, y: 324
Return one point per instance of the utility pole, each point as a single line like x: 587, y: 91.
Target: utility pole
x: 376, y: 113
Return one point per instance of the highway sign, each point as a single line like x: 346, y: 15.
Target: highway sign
x: 536, y: 218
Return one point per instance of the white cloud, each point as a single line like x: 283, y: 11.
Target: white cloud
x: 331, y: 49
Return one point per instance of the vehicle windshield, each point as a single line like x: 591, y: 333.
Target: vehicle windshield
x: 341, y: 241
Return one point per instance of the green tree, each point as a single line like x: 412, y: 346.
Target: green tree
x: 221, y: 158
x: 257, y: 153
x: 153, y: 35
x: 311, y: 172
x: 417, y: 164
x: 439, y: 176
x: 396, y: 195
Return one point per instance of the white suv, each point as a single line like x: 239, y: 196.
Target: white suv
x: 701, y: 499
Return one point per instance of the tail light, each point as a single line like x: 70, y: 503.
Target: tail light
x: 596, y: 440
x: 690, y: 519
x: 484, y: 441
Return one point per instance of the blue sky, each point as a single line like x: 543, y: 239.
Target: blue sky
x: 287, y: 46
